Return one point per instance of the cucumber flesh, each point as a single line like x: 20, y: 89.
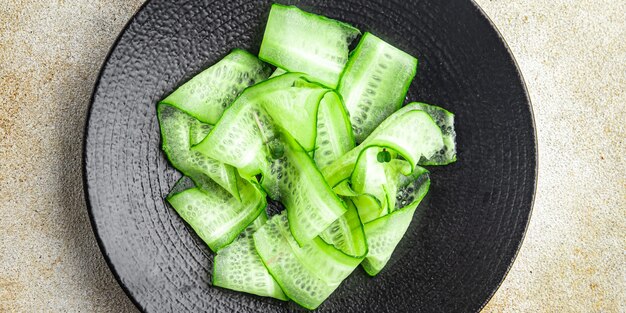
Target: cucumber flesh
x: 384, y: 233
x: 369, y: 207
x: 209, y: 93
x: 239, y: 267
x: 445, y: 121
x: 414, y: 135
x: 294, y: 180
x: 344, y: 189
x: 378, y: 178
x: 298, y: 41
x: 370, y: 175
x: 295, y: 109
x: 346, y: 233
x: 334, y: 133
x: 410, y: 132
x: 215, y: 215
x: 295, y: 271
x: 176, y: 134
x: 277, y: 72
x: 374, y: 83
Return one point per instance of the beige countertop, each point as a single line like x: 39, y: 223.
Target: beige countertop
x: 571, y: 53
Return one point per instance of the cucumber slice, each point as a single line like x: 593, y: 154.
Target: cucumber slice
x: 384, y: 233
x: 216, y: 216
x: 177, y: 138
x: 370, y: 175
x: 344, y: 189
x: 334, y: 134
x: 445, y: 121
x: 376, y: 176
x: 294, y: 180
x: 410, y: 132
x: 346, y: 233
x: 397, y: 171
x: 295, y: 109
x: 277, y: 72
x: 374, y: 83
x: 239, y: 267
x: 307, y: 275
x: 414, y: 135
x: 369, y: 207
x: 209, y: 93
x: 237, y: 139
x: 298, y: 41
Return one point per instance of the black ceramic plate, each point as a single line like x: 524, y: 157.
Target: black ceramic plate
x: 452, y: 260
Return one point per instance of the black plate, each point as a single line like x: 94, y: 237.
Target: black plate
x: 477, y: 211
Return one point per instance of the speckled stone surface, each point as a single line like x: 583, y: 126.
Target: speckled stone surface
x: 573, y: 57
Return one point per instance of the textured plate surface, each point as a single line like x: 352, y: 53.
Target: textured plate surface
x: 477, y: 210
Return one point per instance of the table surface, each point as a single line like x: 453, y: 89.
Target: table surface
x: 572, y: 56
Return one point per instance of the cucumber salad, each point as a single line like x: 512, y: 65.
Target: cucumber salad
x: 314, y: 126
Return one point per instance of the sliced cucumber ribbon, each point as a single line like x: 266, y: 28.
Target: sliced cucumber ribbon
x: 216, y: 216
x: 374, y: 83
x: 298, y: 41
